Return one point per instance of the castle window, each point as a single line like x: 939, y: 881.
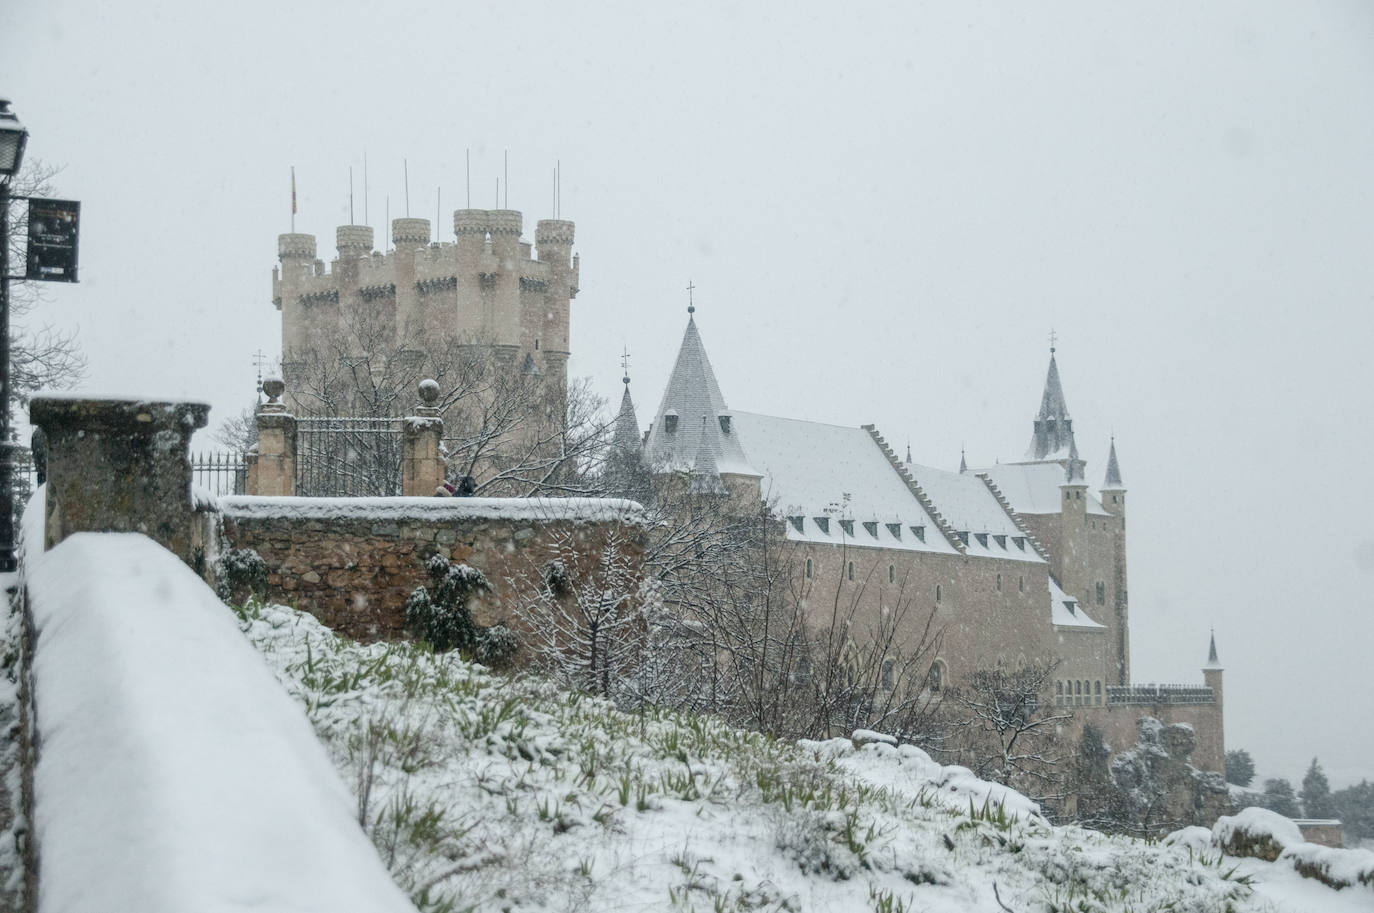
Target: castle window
x: 895, y: 529
x: 1059, y: 693
x: 1078, y: 496
x: 871, y: 528
x: 982, y: 539
x: 823, y: 523
x: 937, y: 592
x: 935, y: 678
x: 891, y: 573
x: 999, y: 583
x: 724, y: 424
x: 963, y: 536
x: 1101, y: 593
x: 1019, y: 542
x: 1021, y: 583
x: 851, y: 570
x: 1097, y: 693
x: 1001, y: 541
x: 536, y: 345
x: 670, y: 422
x: 847, y: 526
x: 808, y: 568
x: 796, y: 522
x: 1067, y: 496
x: 887, y: 675
x: 919, y: 532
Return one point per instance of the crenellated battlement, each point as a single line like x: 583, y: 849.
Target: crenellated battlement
x: 485, y: 283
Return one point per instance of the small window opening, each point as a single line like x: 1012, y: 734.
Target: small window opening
x: 887, y: 675
x: 670, y: 422
x: 823, y: 523
x: 536, y: 345
x: 937, y: 592
x: 847, y: 526
x: 1101, y: 593
x: 797, y: 522
x: 1021, y: 584
x: 851, y: 570
x: 935, y: 678
x: 919, y: 532
x: 999, y: 583
x: 895, y: 529
x: 982, y: 539
x: 871, y: 527
x: 1019, y: 542
x: 724, y: 424
x: 891, y: 573
x: 808, y: 568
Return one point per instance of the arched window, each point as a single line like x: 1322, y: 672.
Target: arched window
x: 891, y: 573
x: 887, y: 674
x: 808, y: 568
x: 1078, y: 692
x: 935, y: 678
x: 937, y: 592
x: 999, y: 583
x: 851, y: 570
x: 1059, y: 693
x: 1097, y: 693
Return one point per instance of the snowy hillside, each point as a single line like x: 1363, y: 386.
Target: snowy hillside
x: 485, y: 793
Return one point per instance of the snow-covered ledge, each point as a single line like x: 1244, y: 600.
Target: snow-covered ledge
x: 584, y: 510
x: 173, y: 772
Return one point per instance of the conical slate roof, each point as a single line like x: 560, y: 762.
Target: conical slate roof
x: 1053, y: 427
x: 1212, y: 661
x: 705, y: 477
x: 1113, y: 481
x: 626, y: 437
x: 676, y: 438
x: 1074, y: 473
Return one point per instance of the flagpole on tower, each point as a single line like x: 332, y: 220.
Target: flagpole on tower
x: 293, y: 199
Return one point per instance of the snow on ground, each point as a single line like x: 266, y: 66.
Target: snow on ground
x: 173, y: 773
x: 510, y: 794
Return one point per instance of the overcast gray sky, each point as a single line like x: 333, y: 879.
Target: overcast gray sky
x: 884, y: 207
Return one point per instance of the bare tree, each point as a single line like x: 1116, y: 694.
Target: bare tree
x: 514, y: 430
x: 1010, y: 730
x: 582, y: 620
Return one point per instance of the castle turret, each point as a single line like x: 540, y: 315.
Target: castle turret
x: 289, y: 282
x: 408, y: 236
x: 504, y: 227
x: 553, y: 240
x: 1113, y: 490
x: 1073, y: 509
x: 354, y: 242
x: 1053, y: 434
x: 1211, y: 673
x: 1114, y: 502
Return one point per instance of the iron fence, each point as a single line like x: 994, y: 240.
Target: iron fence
x: 348, y: 456
x: 223, y: 473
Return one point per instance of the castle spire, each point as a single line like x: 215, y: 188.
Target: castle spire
x: 1053, y: 427
x: 1074, y: 472
x: 626, y: 437
x: 1212, y: 661
x: 963, y: 463
x: 678, y: 433
x: 1113, y: 481
x: 705, y: 476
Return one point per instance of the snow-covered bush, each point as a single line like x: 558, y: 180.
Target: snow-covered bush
x: 1256, y: 832
x: 239, y: 574
x: 442, y: 619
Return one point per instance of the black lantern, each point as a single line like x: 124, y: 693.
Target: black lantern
x: 13, y: 136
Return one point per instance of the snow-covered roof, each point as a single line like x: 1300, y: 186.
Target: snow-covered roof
x: 699, y: 413
x: 1033, y: 488
x: 836, y: 473
x: 1066, y: 611
x: 972, y: 510
x: 583, y: 510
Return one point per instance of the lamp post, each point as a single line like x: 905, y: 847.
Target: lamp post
x: 13, y: 138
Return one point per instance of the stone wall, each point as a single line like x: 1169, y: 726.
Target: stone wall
x: 352, y: 562
x: 1118, y: 724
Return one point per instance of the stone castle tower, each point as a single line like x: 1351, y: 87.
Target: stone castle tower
x: 486, y: 288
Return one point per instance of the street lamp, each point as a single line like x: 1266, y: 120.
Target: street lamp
x: 13, y: 137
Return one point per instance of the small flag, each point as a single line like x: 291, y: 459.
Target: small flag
x: 293, y: 190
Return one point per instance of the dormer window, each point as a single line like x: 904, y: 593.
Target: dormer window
x: 982, y: 539
x: 724, y: 424
x: 823, y: 523
x: 919, y: 532
x: 871, y: 528
x: 670, y: 422
x: 963, y: 536
x: 847, y: 526
x: 1001, y: 541
x: 1019, y: 542
x: 797, y: 522
x: 895, y: 529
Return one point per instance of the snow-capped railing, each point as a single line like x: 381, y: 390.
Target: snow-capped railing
x: 173, y: 772
x: 1160, y: 694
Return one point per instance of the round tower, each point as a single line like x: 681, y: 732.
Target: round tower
x: 408, y: 234
x: 297, y: 254
x: 553, y: 240
x: 353, y: 242
x: 504, y: 227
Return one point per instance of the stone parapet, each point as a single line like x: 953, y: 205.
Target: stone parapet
x: 353, y: 240
x: 409, y: 232
x: 553, y: 231
x: 504, y: 222
x: 296, y: 246
x: 120, y: 466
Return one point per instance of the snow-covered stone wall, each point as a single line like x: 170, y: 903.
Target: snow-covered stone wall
x: 351, y: 562
x: 173, y: 772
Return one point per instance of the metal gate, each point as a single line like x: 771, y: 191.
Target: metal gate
x: 348, y: 456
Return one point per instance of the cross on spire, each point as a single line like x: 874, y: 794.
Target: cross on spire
x: 1054, y: 337
x: 259, y: 359
x: 625, y: 363
x: 691, y: 308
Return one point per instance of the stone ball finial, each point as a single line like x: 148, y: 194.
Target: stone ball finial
x: 274, y: 387
x: 429, y: 391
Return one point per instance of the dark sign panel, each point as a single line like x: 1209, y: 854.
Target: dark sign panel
x: 52, y: 240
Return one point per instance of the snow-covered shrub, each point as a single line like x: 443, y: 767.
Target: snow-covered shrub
x: 1256, y: 832
x: 821, y: 842
x: 239, y: 574
x: 1336, y: 868
x: 442, y: 619
x: 496, y: 647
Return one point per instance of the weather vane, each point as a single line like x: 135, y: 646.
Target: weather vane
x: 259, y: 357
x: 1054, y: 337
x: 691, y: 308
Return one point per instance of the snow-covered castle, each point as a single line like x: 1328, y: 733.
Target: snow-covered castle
x: 1022, y: 562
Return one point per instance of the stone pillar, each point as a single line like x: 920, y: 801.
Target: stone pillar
x: 272, y: 470
x: 119, y: 466
x: 422, y: 461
